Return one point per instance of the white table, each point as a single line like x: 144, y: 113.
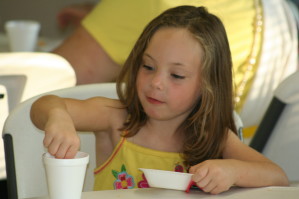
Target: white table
x: 234, y: 193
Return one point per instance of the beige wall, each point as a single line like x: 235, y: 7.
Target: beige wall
x: 42, y: 10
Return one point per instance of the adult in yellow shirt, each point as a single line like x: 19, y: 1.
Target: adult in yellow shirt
x: 261, y: 35
x: 116, y: 24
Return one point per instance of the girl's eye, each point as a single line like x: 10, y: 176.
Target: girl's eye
x: 148, y: 67
x: 177, y: 76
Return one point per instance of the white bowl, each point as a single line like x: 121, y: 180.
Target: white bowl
x: 167, y: 179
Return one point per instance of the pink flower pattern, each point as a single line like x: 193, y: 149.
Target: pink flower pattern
x: 179, y: 168
x: 143, y: 183
x: 123, y: 179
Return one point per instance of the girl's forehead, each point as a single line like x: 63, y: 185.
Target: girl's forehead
x: 173, y: 35
x: 171, y: 29
x: 174, y: 44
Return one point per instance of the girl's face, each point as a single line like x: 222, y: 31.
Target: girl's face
x: 168, y: 81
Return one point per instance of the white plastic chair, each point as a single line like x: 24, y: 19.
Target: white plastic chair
x: 24, y: 144
x: 43, y: 72
x: 239, y: 125
x: 277, y: 137
x: 3, y: 115
x: 27, y: 74
x: 15, y: 85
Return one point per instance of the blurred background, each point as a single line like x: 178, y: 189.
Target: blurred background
x: 43, y: 11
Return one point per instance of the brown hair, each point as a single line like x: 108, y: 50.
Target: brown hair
x: 206, y: 127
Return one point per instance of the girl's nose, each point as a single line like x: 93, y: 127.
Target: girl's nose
x: 157, y: 81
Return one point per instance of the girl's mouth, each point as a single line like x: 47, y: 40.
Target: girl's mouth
x: 153, y: 100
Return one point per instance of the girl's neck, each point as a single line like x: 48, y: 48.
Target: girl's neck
x: 161, y: 128
x: 168, y: 127
x: 160, y: 135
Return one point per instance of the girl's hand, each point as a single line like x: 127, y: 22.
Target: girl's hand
x: 61, y: 137
x: 214, y: 176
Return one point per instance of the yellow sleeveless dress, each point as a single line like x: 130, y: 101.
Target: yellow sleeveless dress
x: 121, y: 171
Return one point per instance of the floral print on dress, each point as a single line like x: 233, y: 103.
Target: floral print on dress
x: 123, y: 179
x: 179, y: 168
x: 143, y: 183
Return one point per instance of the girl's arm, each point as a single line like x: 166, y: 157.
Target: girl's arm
x: 253, y: 168
x: 60, y: 118
x: 242, y: 166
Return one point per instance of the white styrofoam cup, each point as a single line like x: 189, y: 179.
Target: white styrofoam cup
x: 22, y: 35
x: 65, y: 177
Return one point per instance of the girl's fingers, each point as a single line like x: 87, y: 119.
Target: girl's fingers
x: 47, y: 141
x: 68, y: 148
x: 218, y: 189
x: 71, y: 152
x: 53, y: 147
x: 62, y: 150
x: 203, y: 183
x: 200, y: 173
x: 194, y: 168
x: 209, y: 187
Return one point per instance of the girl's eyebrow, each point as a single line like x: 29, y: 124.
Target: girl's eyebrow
x: 148, y: 55
x: 172, y: 63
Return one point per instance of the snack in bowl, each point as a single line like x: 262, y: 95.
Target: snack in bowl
x: 167, y: 179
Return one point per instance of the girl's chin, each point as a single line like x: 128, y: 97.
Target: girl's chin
x: 153, y: 115
x: 157, y: 116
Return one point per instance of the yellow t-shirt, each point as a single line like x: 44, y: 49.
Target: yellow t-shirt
x: 121, y: 171
x: 116, y: 25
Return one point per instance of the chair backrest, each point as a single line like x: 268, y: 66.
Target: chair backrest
x: 27, y: 74
x: 43, y: 71
x: 15, y: 85
x: 24, y: 144
x: 239, y: 125
x: 3, y: 115
x: 277, y: 137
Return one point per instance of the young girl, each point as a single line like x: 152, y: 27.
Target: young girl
x: 175, y: 112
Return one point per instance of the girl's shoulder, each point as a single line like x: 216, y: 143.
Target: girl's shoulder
x: 116, y: 109
x: 101, y: 114
x: 112, y: 107
x: 105, y: 103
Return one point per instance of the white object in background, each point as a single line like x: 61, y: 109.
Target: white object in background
x: 44, y: 44
x: 22, y: 35
x: 279, y: 59
x: 277, y: 136
x: 65, y: 177
x: 43, y: 72
x: 3, y: 115
x: 167, y: 179
x: 14, y: 85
